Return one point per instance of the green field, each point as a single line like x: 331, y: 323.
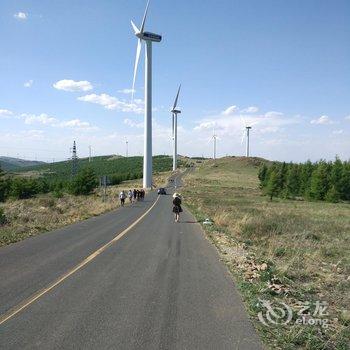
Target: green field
x: 289, y: 251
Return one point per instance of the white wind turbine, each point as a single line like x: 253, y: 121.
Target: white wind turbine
x: 148, y: 38
x: 214, y: 138
x: 174, y: 113
x: 246, y: 134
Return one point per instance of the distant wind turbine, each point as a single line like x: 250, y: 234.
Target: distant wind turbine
x: 246, y: 135
x: 148, y: 38
x: 214, y: 138
x: 174, y: 113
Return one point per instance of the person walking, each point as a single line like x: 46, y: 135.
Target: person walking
x: 130, y: 195
x: 122, y: 197
x: 135, y: 194
x: 177, y: 206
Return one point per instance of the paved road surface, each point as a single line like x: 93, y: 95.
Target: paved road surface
x: 161, y: 286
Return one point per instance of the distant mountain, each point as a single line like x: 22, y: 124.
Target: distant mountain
x: 12, y: 164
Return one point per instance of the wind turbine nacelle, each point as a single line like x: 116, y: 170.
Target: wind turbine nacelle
x: 151, y: 37
x: 175, y: 111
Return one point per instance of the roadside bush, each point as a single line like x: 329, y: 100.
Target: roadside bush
x: 84, y: 183
x: 3, y: 219
x: 22, y: 188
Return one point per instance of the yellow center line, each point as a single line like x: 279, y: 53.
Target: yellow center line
x: 24, y: 304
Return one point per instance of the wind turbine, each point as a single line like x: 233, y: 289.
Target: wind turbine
x: 148, y: 38
x: 214, y: 138
x: 175, y: 112
x: 246, y: 133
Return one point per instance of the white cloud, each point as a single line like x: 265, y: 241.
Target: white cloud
x: 251, y: 109
x: 233, y: 125
x: 133, y: 124
x: 47, y: 120
x: 28, y: 84
x: 273, y: 114
x: 127, y: 91
x: 230, y: 110
x: 21, y: 16
x: 347, y: 118
x: 337, y: 132
x: 77, y: 124
x: 5, y: 113
x: 113, y: 103
x: 72, y: 85
x: 38, y: 119
x: 323, y: 120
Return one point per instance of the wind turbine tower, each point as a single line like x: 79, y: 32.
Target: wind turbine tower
x: 248, y: 134
x: 214, y: 138
x: 148, y: 38
x: 127, y: 148
x: 175, y: 112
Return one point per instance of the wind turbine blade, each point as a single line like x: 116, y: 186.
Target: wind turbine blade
x: 138, y: 52
x: 144, y: 18
x: 177, y: 97
x: 136, y: 30
x: 243, y: 135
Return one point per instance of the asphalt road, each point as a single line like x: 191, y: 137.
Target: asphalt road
x: 160, y: 286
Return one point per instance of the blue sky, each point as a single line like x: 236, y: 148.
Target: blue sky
x: 282, y: 66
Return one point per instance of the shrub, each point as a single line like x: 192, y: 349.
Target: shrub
x: 22, y: 188
x: 3, y: 219
x: 84, y: 183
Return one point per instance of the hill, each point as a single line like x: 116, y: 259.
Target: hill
x: 103, y: 165
x: 13, y: 164
x: 280, y: 251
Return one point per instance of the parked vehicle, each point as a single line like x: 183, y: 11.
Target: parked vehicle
x: 161, y: 190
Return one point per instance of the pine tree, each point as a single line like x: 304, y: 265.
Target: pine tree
x: 345, y: 182
x: 293, y: 181
x: 272, y: 186
x: 263, y: 172
x: 3, y: 186
x: 282, y: 173
x: 85, y: 182
x: 305, y: 178
x: 320, y: 181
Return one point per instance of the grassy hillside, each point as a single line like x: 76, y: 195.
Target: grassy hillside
x: 104, y: 165
x: 13, y: 164
x: 45, y: 212
x: 281, y: 251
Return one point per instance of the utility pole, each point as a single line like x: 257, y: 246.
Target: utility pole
x: 74, y: 160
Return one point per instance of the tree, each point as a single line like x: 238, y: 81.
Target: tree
x: 293, y: 181
x: 272, y: 186
x: 320, y: 181
x: 3, y: 186
x: 85, y: 182
x: 305, y: 178
x: 263, y: 175
x: 345, y: 182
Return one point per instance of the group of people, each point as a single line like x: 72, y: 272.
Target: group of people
x: 133, y: 195
x: 137, y: 195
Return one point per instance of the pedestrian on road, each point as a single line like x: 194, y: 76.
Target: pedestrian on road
x: 130, y: 195
x: 177, y: 206
x: 122, y: 197
x: 135, y: 194
x: 142, y: 194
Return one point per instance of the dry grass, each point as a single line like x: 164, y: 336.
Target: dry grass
x: 285, y: 250
x: 44, y: 213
